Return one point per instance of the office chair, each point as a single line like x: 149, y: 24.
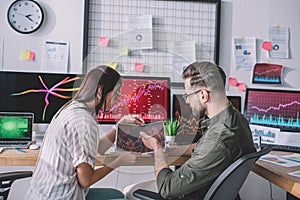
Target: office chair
x: 227, y: 185
x: 7, y: 179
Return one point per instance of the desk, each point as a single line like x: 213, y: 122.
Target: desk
x: 11, y: 157
x: 278, y: 175
x: 273, y: 173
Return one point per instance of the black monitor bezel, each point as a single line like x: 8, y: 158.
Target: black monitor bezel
x: 36, y: 120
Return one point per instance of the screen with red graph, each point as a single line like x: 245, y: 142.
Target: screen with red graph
x: 40, y: 93
x: 265, y: 73
x: 189, y: 126
x: 148, y: 97
x: 275, y: 108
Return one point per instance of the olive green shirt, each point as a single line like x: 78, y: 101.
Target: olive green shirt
x: 226, y: 137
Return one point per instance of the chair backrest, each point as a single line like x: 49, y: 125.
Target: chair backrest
x: 229, y: 183
x: 7, y: 182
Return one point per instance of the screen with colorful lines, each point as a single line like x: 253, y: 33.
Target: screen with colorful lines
x: 146, y: 96
x: 40, y: 93
x: 274, y: 108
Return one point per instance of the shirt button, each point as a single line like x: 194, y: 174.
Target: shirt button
x: 182, y: 176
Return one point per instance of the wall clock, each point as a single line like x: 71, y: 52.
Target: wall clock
x: 25, y: 16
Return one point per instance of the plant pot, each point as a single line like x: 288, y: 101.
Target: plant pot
x: 169, y: 140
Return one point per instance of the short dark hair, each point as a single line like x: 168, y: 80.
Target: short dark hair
x: 205, y: 74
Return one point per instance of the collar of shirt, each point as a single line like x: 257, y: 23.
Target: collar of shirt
x: 219, y: 118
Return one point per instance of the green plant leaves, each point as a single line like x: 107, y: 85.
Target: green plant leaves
x: 172, y: 127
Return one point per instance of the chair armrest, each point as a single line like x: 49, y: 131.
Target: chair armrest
x: 146, y: 195
x: 11, y: 176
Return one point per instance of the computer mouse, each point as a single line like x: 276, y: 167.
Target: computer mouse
x: 34, y: 146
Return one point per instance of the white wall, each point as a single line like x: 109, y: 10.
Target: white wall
x: 251, y: 18
x: 63, y: 22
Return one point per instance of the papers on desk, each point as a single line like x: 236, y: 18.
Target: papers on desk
x: 296, y: 173
x: 285, y: 161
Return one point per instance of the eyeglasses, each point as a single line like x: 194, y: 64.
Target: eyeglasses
x: 185, y: 96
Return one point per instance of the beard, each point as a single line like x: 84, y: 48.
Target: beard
x: 199, y: 113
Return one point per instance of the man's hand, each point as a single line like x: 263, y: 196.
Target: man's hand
x: 150, y: 141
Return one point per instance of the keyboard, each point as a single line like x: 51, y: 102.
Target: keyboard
x: 12, y: 144
x: 283, y: 147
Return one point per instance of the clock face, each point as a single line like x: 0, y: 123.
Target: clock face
x: 25, y: 16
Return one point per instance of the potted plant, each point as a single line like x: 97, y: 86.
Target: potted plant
x: 171, y: 127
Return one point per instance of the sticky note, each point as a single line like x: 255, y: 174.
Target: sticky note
x: 139, y: 67
x: 24, y: 55
x: 31, y: 56
x: 267, y: 46
x: 103, y: 41
x: 232, y: 81
x: 123, y: 51
x: 112, y: 64
x: 241, y: 86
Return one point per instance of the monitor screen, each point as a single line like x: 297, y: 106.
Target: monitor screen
x: 236, y: 102
x: 189, y: 125
x: 273, y: 108
x: 15, y: 126
x: 40, y: 93
x: 148, y: 97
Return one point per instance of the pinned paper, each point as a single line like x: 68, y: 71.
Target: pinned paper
x: 112, y: 65
x: 123, y: 51
x: 27, y: 55
x: 267, y: 46
x: 139, y: 67
x: 103, y: 41
x: 241, y: 86
x: 232, y: 81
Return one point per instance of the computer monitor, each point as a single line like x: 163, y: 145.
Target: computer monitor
x: 39, y: 93
x: 273, y: 108
x: 16, y: 126
x: 189, y: 125
x: 146, y: 96
x: 189, y: 130
x: 236, y: 102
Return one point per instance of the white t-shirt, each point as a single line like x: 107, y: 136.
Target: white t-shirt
x: 71, y: 138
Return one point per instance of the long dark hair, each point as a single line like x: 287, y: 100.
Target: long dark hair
x: 101, y: 76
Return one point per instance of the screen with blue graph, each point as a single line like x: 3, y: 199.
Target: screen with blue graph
x: 149, y: 97
x: 273, y: 108
x: 40, y: 93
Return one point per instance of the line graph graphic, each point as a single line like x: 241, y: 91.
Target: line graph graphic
x: 267, y: 73
x: 51, y: 91
x: 274, y: 108
x: 147, y: 97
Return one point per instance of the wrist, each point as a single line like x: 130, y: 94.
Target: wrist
x: 157, y: 147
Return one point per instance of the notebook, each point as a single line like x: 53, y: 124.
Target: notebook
x: 15, y: 129
x: 127, y: 136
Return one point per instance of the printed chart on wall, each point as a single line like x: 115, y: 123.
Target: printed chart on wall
x: 151, y: 37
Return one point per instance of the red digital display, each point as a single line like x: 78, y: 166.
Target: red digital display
x: 148, y: 97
